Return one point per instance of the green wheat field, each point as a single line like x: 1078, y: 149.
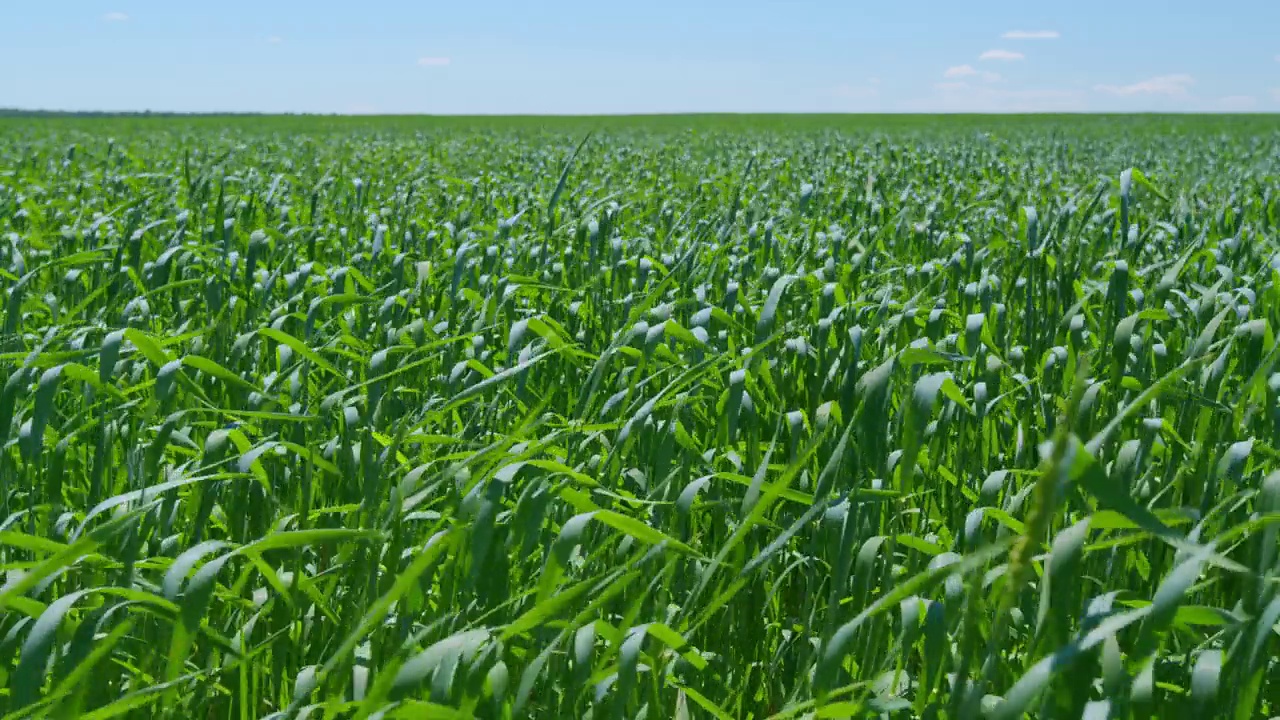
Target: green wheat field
x: 650, y: 417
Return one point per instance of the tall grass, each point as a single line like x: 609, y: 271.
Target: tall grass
x: 377, y: 421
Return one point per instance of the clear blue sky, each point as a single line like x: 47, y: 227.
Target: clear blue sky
x: 601, y: 56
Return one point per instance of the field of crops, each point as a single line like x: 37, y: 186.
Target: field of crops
x: 643, y: 418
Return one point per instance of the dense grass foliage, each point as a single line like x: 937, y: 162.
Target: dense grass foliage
x: 948, y: 419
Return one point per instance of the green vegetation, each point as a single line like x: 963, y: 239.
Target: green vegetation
x: 714, y: 417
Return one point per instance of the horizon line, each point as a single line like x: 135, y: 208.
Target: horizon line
x: 18, y: 112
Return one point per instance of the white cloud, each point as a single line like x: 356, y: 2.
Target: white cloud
x: 1001, y: 55
x: 433, y: 61
x: 1275, y: 93
x: 964, y: 97
x: 115, y: 17
x: 275, y: 39
x: 1032, y: 35
x: 1171, y: 85
x: 857, y: 92
x: 853, y: 97
x: 963, y: 71
x: 854, y: 91
x: 1236, y: 103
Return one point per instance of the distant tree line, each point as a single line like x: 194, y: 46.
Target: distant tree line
x: 18, y: 112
